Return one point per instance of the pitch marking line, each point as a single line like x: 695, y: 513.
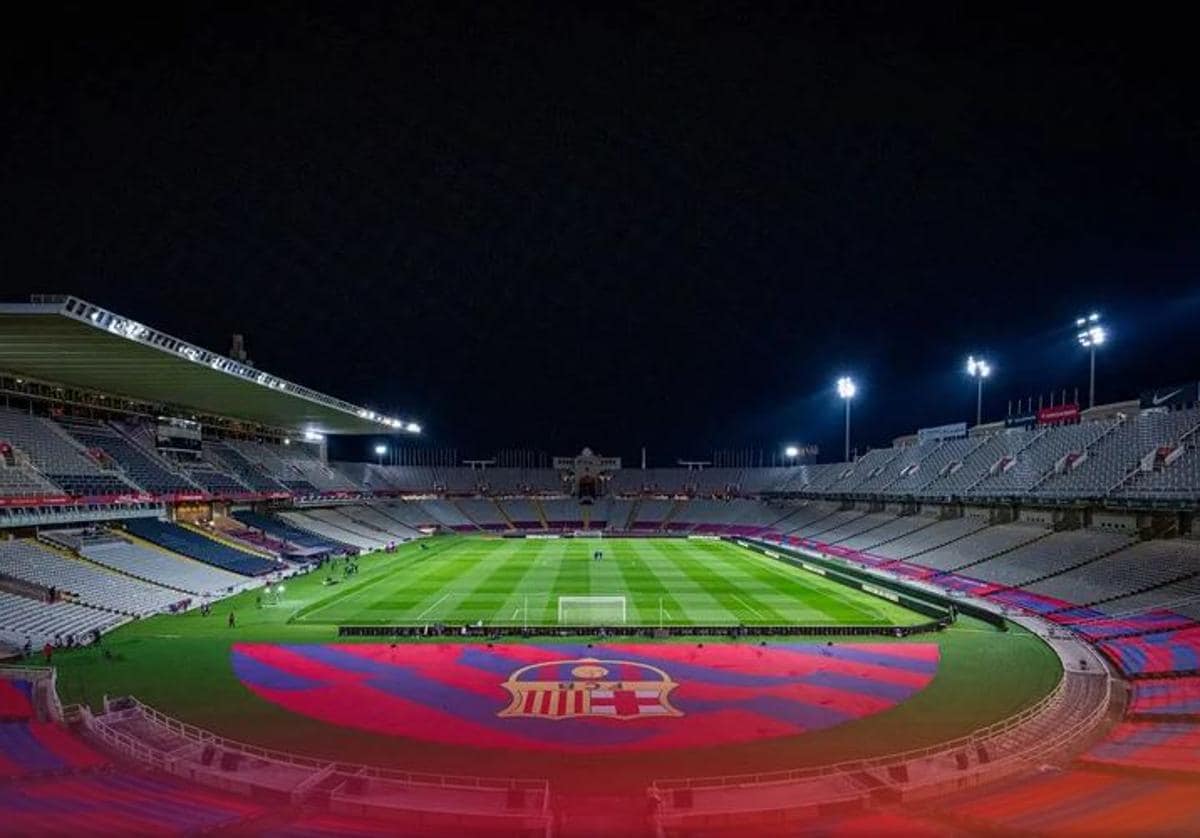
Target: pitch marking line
x: 747, y: 606
x: 435, y: 605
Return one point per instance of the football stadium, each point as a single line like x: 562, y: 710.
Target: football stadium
x: 212, y: 625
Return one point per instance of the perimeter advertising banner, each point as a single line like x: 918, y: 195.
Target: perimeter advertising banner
x: 1177, y: 397
x: 955, y: 430
x: 1060, y: 414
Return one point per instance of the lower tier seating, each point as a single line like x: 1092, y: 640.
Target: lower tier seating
x: 196, y: 546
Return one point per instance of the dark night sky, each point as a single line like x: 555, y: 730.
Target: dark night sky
x: 618, y: 228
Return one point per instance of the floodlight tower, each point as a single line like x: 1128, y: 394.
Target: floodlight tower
x: 380, y: 450
x: 791, y: 452
x: 847, y: 389
x: 978, y: 369
x: 1091, y: 334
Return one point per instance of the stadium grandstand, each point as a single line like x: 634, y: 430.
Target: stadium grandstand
x: 144, y: 479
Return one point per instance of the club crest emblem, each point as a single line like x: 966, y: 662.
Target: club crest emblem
x: 588, y: 687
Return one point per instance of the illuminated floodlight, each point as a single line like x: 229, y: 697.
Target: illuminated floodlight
x: 313, y: 436
x: 1091, y: 334
x: 792, y: 452
x: 413, y: 428
x: 846, y: 388
x: 380, y: 450
x: 977, y: 367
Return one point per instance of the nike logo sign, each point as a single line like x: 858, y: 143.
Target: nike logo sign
x: 1160, y: 399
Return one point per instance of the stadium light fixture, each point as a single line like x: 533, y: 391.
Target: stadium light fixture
x: 380, y: 451
x: 978, y: 369
x: 792, y: 452
x: 413, y: 428
x: 1091, y: 334
x: 847, y: 390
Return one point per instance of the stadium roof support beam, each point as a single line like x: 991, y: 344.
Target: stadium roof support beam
x: 69, y: 341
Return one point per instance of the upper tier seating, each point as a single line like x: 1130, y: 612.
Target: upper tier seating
x: 945, y: 457
x: 976, y: 466
x: 59, y: 461
x: 142, y: 468
x: 1119, y: 453
x: 19, y: 481
x: 93, y: 585
x: 521, y: 512
x: 197, y: 546
x: 268, y: 459
x: 1029, y: 465
x: 232, y: 460
x: 41, y: 622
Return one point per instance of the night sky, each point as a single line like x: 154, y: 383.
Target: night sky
x: 620, y: 228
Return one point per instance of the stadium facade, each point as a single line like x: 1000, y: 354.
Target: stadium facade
x: 142, y: 475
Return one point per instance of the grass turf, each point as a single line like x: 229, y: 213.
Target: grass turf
x: 181, y: 665
x: 677, y: 582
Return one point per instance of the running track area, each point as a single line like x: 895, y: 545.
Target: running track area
x: 572, y: 698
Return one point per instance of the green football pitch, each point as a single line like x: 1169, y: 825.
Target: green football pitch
x: 646, y: 582
x: 181, y: 663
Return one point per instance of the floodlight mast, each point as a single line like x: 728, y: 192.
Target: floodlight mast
x: 1091, y: 334
x: 847, y: 389
x: 978, y: 369
x: 380, y: 451
x: 791, y: 452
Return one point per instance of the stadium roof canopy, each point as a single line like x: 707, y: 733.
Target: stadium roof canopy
x: 71, y: 342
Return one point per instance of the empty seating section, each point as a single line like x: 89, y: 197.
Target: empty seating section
x: 247, y: 472
x: 1177, y: 480
x: 567, y: 513
x: 1161, y: 746
x: 979, y: 545
x: 652, y: 513
x: 19, y: 481
x: 119, y: 803
x: 946, y: 456
x: 928, y: 538
x: 483, y: 513
x: 907, y: 461
x: 372, y: 517
x: 1156, y: 654
x: 1049, y: 448
x: 30, y: 748
x: 212, y: 481
x: 1141, y: 566
x: 41, y: 622
x: 976, y: 465
x: 92, y: 585
x: 1166, y: 698
x: 1055, y: 553
x: 328, y: 524
x: 58, y: 460
x: 292, y: 535
x: 446, y: 514
x: 408, y: 513
x: 268, y: 458
x: 196, y: 546
x: 522, y: 513
x: 162, y: 568
x: 142, y: 468
x: 891, y: 529
x: 830, y: 524
x: 803, y: 516
x: 620, y: 515
x: 1181, y: 597
x: 1118, y: 454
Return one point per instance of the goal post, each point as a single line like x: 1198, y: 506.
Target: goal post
x: 591, y: 610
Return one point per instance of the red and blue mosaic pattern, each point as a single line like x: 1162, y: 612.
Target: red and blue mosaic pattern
x: 1096, y: 625
x: 1163, y: 746
x: 455, y: 694
x: 1152, y: 654
x: 1166, y: 697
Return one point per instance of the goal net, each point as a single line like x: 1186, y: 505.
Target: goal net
x: 591, y: 610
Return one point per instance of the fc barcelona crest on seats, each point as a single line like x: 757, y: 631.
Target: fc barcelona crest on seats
x: 587, y: 687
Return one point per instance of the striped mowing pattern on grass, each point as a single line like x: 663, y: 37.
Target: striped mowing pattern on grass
x: 513, y: 582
